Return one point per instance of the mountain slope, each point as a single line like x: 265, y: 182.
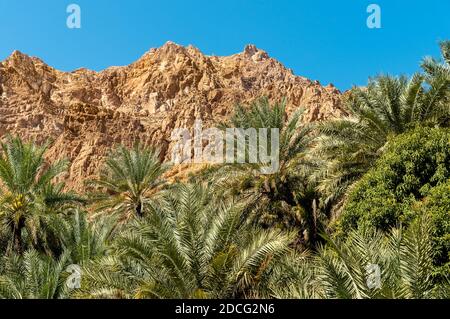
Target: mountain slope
x: 86, y: 113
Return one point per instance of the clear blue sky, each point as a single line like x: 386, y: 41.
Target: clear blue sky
x: 320, y: 39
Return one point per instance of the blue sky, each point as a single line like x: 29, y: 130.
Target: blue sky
x: 320, y: 39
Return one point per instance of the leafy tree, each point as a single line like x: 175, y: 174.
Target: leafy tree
x: 128, y: 181
x: 29, y: 199
x: 190, y: 247
x: 411, y: 178
x: 413, y: 164
x: 36, y: 275
x: 436, y: 204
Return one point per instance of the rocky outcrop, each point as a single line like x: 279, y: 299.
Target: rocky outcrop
x: 86, y: 113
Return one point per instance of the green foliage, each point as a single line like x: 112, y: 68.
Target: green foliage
x: 128, y: 181
x: 437, y: 205
x: 283, y: 199
x: 33, y: 276
x: 190, y: 247
x: 388, y: 106
x: 413, y: 163
x: 235, y: 232
x: 412, y: 177
x: 85, y: 239
x: 29, y: 200
x: 339, y: 269
x: 437, y: 75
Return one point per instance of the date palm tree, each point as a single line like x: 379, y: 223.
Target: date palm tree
x: 283, y: 198
x: 36, y: 275
x: 29, y: 199
x: 128, y: 181
x: 85, y: 239
x: 33, y: 276
x: 190, y: 247
x: 368, y: 264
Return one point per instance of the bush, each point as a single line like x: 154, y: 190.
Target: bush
x: 410, y: 178
x: 437, y: 205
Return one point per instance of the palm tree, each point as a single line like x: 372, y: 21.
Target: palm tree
x: 29, y: 199
x: 128, y: 181
x: 190, y: 247
x: 283, y: 198
x: 437, y: 75
x: 85, y: 239
x: 348, y: 268
x: 389, y: 106
x: 33, y: 276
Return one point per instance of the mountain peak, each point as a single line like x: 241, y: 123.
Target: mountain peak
x: 171, y: 44
x: 87, y: 112
x: 251, y: 51
x: 20, y: 58
x: 16, y: 54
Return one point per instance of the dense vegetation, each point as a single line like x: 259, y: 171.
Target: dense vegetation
x: 368, y: 190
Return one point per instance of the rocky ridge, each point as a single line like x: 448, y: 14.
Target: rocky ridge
x: 86, y: 113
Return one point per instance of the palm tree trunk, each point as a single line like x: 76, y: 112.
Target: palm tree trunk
x: 139, y: 209
x: 17, y: 238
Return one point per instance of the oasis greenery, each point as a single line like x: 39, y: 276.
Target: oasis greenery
x: 372, y: 188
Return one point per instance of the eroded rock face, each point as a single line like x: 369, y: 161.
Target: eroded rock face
x: 86, y: 113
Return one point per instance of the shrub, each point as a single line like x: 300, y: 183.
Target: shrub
x: 412, y: 177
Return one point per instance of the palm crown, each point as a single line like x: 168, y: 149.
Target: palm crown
x: 189, y: 247
x: 128, y: 181
x: 283, y: 198
x: 29, y: 198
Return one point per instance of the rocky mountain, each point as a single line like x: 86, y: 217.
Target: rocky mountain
x: 86, y: 113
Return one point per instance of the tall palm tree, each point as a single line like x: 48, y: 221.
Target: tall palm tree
x: 348, y: 147
x: 128, y: 181
x: 283, y: 198
x: 190, y: 247
x: 29, y: 199
x: 347, y: 269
